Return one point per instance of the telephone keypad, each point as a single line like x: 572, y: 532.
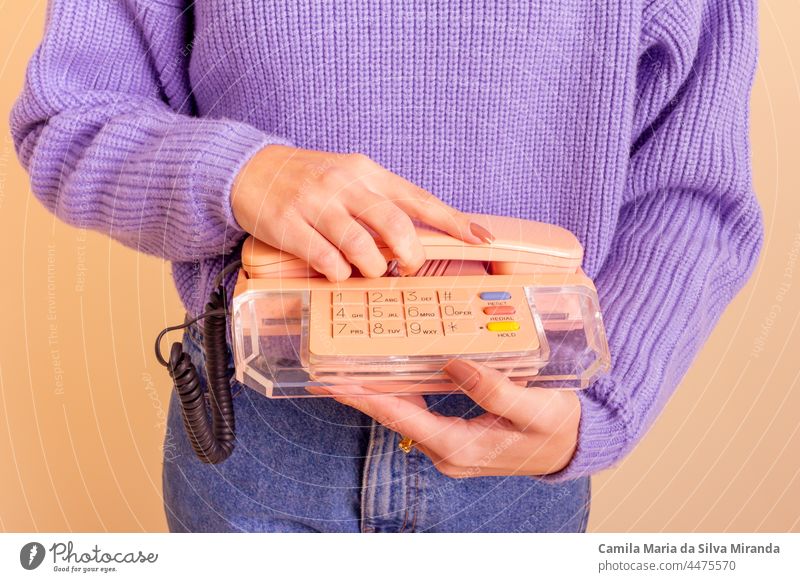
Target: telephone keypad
x: 474, y: 320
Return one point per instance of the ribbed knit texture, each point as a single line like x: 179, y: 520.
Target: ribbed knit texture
x: 626, y: 124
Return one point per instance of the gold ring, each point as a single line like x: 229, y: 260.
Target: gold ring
x: 406, y: 445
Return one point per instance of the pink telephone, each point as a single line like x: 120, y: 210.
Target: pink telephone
x: 521, y: 304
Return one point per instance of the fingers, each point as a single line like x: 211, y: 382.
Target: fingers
x: 526, y: 408
x: 284, y: 193
x: 324, y: 257
x: 409, y: 417
x: 393, y: 225
x: 353, y: 240
x: 420, y: 204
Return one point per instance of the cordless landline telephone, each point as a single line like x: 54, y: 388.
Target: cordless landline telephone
x: 520, y: 304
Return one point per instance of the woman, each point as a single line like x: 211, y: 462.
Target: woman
x: 178, y: 127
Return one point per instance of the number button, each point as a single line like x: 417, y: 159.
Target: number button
x: 349, y: 329
x: 390, y: 297
x: 457, y: 311
x: 381, y: 311
x: 387, y: 329
x: 422, y: 312
x: 348, y: 297
x: 424, y: 296
x: 428, y: 328
x: 349, y: 312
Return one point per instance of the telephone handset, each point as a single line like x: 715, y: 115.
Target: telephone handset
x: 520, y: 304
x: 521, y: 246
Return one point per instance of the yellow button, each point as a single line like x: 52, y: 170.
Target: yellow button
x: 502, y: 326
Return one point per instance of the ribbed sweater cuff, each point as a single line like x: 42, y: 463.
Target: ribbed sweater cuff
x: 222, y: 156
x: 678, y: 259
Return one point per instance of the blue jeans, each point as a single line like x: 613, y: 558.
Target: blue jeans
x: 312, y: 464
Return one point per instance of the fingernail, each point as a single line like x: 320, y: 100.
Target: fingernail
x: 481, y: 232
x: 462, y: 373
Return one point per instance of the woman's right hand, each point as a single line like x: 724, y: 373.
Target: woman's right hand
x: 315, y: 205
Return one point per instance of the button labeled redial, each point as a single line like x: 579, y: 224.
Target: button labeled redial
x: 499, y: 310
x: 495, y: 295
x: 502, y: 326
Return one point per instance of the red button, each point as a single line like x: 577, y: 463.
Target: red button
x: 499, y: 310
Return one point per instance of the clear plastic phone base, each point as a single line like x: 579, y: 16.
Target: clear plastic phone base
x: 394, y: 335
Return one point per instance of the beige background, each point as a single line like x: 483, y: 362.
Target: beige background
x: 82, y: 400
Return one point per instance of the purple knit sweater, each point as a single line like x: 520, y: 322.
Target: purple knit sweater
x: 625, y: 123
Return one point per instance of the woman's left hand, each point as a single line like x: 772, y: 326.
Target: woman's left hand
x: 524, y: 431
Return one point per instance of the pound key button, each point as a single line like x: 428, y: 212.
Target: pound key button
x: 495, y: 295
x: 502, y: 326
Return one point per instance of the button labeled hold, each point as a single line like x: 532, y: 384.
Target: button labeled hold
x: 495, y: 295
x: 502, y: 326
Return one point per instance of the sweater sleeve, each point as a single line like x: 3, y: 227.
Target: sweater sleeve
x: 690, y: 229
x: 106, y: 128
